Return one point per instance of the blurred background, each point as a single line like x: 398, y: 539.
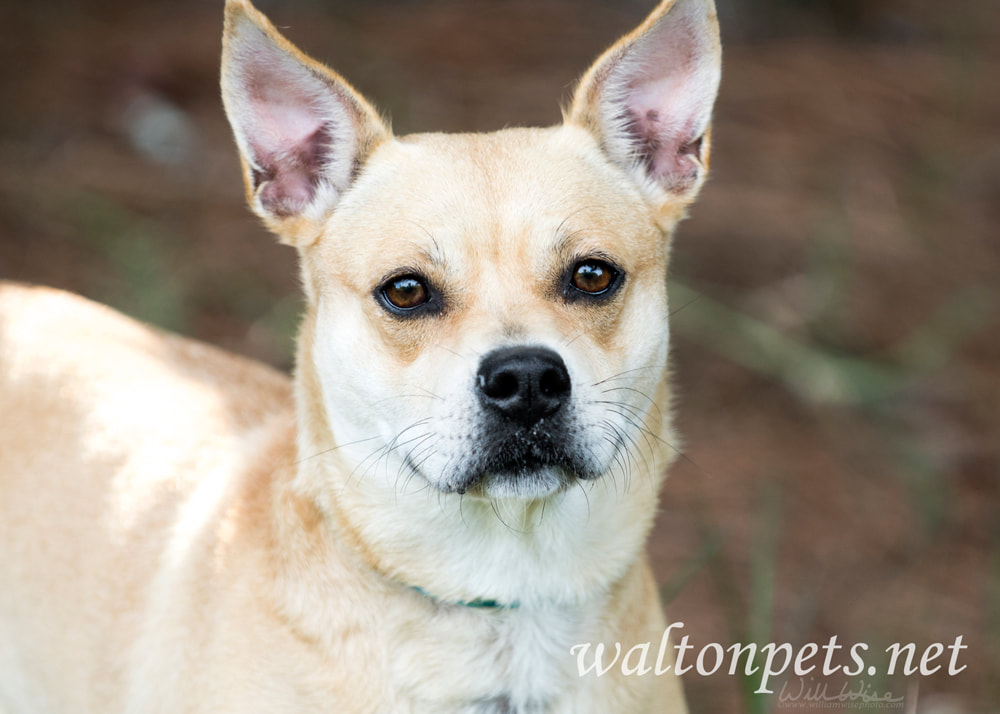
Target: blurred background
x: 837, y: 287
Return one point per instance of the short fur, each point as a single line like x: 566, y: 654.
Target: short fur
x: 182, y: 530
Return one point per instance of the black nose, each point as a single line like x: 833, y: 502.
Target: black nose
x: 523, y: 383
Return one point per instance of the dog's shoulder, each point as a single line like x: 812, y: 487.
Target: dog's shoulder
x: 83, y: 384
x: 51, y: 336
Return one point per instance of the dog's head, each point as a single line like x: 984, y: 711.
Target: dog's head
x: 487, y: 313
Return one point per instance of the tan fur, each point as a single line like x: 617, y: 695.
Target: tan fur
x: 182, y: 530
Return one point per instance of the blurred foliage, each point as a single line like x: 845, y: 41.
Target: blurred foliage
x: 141, y: 271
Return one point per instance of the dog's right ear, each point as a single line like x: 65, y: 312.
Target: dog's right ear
x: 302, y: 131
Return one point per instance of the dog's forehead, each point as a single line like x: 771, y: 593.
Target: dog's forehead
x: 512, y: 163
x: 447, y: 196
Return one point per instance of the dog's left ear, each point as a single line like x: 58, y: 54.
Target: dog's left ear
x: 648, y: 100
x: 302, y: 131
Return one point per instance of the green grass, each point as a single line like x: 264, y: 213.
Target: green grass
x: 143, y: 279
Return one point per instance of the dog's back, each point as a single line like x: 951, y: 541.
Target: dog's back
x: 99, y: 459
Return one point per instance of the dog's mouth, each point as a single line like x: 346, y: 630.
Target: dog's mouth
x: 528, y: 463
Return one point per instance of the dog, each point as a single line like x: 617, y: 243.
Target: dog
x: 457, y: 485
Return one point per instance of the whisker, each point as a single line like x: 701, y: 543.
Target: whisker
x: 629, y: 455
x: 429, y: 393
x: 636, y: 391
x: 690, y: 302
x: 334, y: 448
x: 405, y: 396
x: 581, y: 334
x: 620, y: 375
x: 382, y: 451
x: 617, y: 446
x: 407, y: 462
x: 493, y: 505
x: 562, y: 240
x: 586, y: 497
x: 396, y: 444
x: 623, y: 405
x: 641, y: 428
x: 677, y: 450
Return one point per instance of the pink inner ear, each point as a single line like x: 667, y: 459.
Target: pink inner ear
x: 664, y: 124
x: 290, y: 144
x: 290, y: 119
x: 281, y: 123
x: 289, y: 182
x: 660, y: 92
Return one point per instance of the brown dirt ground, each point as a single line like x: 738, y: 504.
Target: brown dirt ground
x: 853, y: 210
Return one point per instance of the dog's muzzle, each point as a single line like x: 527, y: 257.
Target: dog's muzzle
x: 525, y: 443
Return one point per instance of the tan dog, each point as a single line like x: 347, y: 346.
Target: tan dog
x: 458, y: 487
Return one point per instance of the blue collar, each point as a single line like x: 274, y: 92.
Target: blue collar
x: 477, y: 603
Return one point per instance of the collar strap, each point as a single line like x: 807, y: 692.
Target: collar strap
x: 481, y: 603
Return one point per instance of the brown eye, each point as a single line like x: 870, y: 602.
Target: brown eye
x: 406, y: 292
x: 593, y: 277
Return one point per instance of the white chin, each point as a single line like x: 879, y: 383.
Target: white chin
x: 527, y: 485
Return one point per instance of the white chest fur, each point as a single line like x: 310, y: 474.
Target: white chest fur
x: 486, y: 660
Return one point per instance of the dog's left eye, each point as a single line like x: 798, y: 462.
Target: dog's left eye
x: 594, y: 277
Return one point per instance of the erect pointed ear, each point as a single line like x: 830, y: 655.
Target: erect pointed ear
x: 648, y: 100
x: 302, y: 131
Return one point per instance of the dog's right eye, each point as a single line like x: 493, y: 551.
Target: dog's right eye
x: 405, y: 293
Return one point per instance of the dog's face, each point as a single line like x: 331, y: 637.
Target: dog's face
x: 488, y: 313
x: 489, y: 320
